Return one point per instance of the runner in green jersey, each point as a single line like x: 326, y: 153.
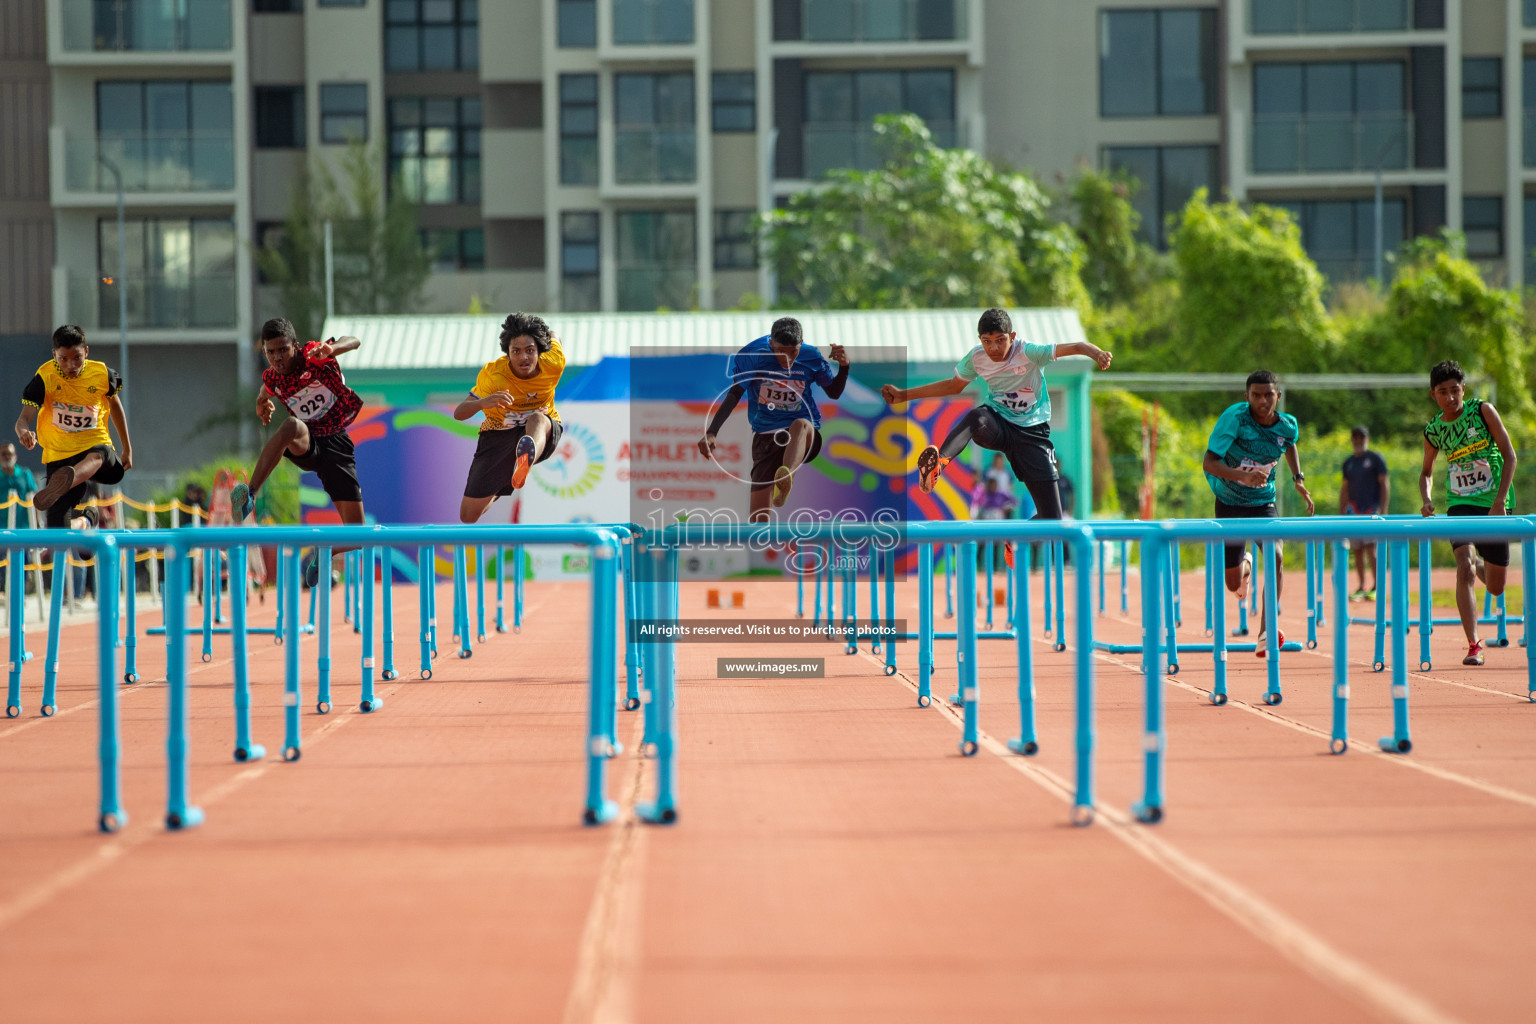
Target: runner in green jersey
x: 1480, y: 467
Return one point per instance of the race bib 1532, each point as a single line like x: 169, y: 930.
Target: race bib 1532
x: 74, y: 419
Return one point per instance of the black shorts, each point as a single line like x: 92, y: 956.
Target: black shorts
x: 111, y: 472
x: 1493, y: 552
x: 490, y: 472
x: 768, y: 455
x: 1028, y: 450
x: 333, y: 459
x: 1234, y: 552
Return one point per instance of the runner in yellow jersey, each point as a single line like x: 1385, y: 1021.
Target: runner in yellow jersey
x: 521, y: 428
x: 75, y: 396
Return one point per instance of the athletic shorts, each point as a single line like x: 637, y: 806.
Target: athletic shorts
x: 1493, y: 552
x: 1028, y: 450
x: 333, y: 459
x: 111, y: 472
x: 490, y: 472
x: 1233, y: 556
x: 1351, y: 509
x: 768, y: 455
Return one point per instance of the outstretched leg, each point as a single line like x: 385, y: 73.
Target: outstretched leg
x: 65, y: 479
x: 292, y: 437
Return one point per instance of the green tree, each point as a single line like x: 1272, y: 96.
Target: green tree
x: 380, y: 263
x: 929, y: 228
x: 1249, y: 295
x: 1117, y: 264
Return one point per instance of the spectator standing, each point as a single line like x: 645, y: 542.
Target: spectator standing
x: 1365, y: 491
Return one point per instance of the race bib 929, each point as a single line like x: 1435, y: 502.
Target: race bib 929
x: 312, y: 402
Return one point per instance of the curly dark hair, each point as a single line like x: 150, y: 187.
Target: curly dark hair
x: 995, y: 321
x: 519, y: 324
x: 279, y: 327
x: 786, y: 330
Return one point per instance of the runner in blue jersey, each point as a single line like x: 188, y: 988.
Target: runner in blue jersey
x: 1015, y: 419
x: 775, y: 374
x: 1250, y: 440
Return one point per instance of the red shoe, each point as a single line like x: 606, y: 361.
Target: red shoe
x: 1008, y: 554
x: 1474, y: 654
x: 1262, y: 651
x: 525, y: 453
x: 929, y: 466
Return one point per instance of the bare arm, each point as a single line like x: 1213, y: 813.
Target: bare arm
x: 1343, y: 495
x: 120, y: 422
x: 1085, y: 348
x: 1245, y: 477
x: 1507, y: 449
x: 717, y: 420
x: 1293, y: 459
x: 330, y: 348
x: 1426, y: 480
x: 26, y: 427
x: 474, y: 403
x: 266, y: 404
x: 1386, y: 492
x: 938, y: 389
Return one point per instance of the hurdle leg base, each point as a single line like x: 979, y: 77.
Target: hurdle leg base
x: 255, y: 752
x: 1149, y: 814
x: 372, y: 704
x: 1022, y: 746
x: 656, y: 813
x: 1395, y: 744
x: 606, y: 811
x: 189, y: 817
x: 112, y: 821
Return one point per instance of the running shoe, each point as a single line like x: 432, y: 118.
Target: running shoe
x: 1008, y: 553
x: 525, y: 453
x: 929, y: 466
x: 1358, y: 595
x: 783, y: 480
x: 1474, y: 654
x: 241, y: 502
x: 1370, y: 595
x: 88, y: 516
x: 1261, y: 650
x: 312, y: 569
x: 59, y: 483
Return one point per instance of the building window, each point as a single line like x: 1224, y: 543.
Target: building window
x: 657, y: 257
x: 343, y: 3
x: 1529, y: 249
x: 576, y: 23
x: 869, y: 21
x: 434, y: 148
x: 1528, y: 15
x: 1288, y: 17
x: 578, y: 129
x: 343, y: 111
x: 1482, y: 221
x: 455, y: 249
x: 1330, y: 116
x: 279, y: 117
x: 841, y: 106
x: 1340, y: 234
x: 642, y: 22
x: 166, y: 136
x: 1482, y: 87
x: 1168, y: 176
x: 653, y: 137
x: 180, y: 272
x: 1157, y: 63
x: 579, y: 268
x: 269, y: 235
x: 278, y: 7
x: 733, y: 97
x: 735, y: 240
x: 432, y: 35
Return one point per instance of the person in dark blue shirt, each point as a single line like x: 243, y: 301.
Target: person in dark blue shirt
x: 775, y: 373
x: 1364, y: 492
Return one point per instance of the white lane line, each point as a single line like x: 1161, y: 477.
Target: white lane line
x: 124, y: 690
x: 115, y: 848
x: 1261, y: 919
x: 602, y: 990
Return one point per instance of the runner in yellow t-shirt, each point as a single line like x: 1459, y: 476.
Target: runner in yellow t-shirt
x: 76, y: 397
x: 521, y: 428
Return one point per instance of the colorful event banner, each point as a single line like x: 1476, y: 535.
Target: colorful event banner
x: 618, y: 459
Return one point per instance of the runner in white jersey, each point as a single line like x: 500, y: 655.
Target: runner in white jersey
x: 1016, y: 417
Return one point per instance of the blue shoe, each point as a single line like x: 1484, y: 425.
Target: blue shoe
x: 312, y: 570
x: 241, y: 502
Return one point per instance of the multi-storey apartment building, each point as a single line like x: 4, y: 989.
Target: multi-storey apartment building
x: 610, y: 154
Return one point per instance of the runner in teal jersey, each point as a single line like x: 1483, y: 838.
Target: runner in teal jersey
x: 1480, y: 469
x: 1249, y: 442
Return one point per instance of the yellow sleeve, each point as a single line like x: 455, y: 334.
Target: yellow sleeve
x: 485, y: 383
x: 554, y: 360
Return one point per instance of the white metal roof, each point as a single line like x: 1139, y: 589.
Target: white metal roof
x: 461, y: 341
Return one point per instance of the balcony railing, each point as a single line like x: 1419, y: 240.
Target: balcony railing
x: 1331, y: 143
x: 156, y: 301
x: 150, y: 161
x: 851, y: 146
x: 646, y: 156
x: 146, y: 26
x: 652, y: 22
x: 1305, y: 17
x: 871, y: 21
